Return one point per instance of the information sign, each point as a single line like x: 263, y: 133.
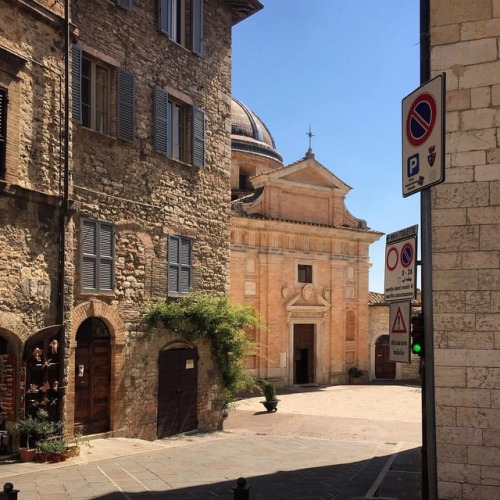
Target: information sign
x: 399, y: 332
x: 400, y: 265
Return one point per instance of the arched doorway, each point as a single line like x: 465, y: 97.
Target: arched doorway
x: 384, y: 368
x: 177, y: 391
x: 92, y: 377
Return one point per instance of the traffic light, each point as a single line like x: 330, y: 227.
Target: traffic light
x: 417, y: 335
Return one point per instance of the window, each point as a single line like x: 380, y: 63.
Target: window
x: 92, y: 83
x: 175, y: 123
x: 95, y: 96
x: 97, y: 250
x: 179, y: 265
x: 3, y: 130
x: 304, y: 274
x: 182, y: 22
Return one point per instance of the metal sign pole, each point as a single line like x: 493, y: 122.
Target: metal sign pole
x: 429, y: 490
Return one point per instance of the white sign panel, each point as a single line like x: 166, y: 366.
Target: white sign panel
x: 399, y: 332
x: 400, y: 281
x: 423, y: 136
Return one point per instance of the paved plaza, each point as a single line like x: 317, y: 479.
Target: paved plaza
x: 341, y: 442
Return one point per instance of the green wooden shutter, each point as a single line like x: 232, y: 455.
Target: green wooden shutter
x: 198, y: 137
x: 76, y: 83
x: 160, y: 120
x: 197, y: 26
x: 165, y: 16
x: 126, y: 106
x: 125, y: 4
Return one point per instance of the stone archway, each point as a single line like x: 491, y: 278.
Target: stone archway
x: 110, y: 316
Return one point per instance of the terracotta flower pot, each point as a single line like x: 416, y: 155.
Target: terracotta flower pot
x: 27, y: 454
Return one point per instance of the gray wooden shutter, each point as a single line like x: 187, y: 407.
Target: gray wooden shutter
x: 89, y: 254
x: 125, y: 4
x: 160, y: 120
x: 197, y: 26
x: 198, y: 137
x: 185, y: 265
x: 106, y: 256
x: 165, y: 16
x: 173, y: 264
x: 76, y: 83
x: 126, y: 105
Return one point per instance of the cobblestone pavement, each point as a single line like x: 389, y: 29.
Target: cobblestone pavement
x: 341, y: 442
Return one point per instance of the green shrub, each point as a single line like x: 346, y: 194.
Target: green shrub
x: 199, y: 315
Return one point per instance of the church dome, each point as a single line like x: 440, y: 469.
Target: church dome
x: 249, y: 134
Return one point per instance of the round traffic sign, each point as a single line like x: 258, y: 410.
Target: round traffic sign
x: 421, y: 119
x: 392, y: 259
x: 407, y: 255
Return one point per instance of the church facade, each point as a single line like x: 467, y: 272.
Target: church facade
x: 299, y: 258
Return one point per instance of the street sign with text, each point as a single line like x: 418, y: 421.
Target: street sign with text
x: 400, y: 281
x: 399, y: 332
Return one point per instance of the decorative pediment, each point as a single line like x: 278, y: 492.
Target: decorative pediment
x: 309, y: 302
x: 306, y: 172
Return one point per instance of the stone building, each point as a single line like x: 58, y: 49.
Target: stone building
x: 138, y: 210
x: 299, y: 258
x: 464, y: 41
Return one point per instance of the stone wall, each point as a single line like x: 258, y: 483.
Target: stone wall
x: 148, y: 196
x: 466, y: 243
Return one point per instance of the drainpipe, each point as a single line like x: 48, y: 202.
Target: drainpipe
x: 63, y: 215
x: 429, y: 466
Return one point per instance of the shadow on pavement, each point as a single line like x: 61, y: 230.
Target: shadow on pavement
x: 340, y: 482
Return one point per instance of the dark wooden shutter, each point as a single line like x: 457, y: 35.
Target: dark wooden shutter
x: 76, y: 83
x: 3, y: 130
x: 89, y: 255
x: 198, y: 137
x: 160, y: 120
x: 126, y: 105
x: 197, y: 26
x: 125, y: 4
x: 106, y: 256
x: 185, y: 265
x: 165, y: 16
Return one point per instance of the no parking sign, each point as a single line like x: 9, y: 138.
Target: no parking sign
x: 400, y: 281
x: 423, y: 136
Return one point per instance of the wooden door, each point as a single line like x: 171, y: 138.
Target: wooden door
x: 384, y: 368
x: 177, y: 392
x: 303, y: 347
x: 92, y: 377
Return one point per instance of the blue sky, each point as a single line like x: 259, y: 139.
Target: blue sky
x: 342, y: 66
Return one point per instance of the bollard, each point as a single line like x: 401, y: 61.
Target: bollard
x: 8, y: 493
x: 242, y: 491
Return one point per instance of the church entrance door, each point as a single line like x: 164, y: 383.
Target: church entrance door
x: 303, y: 347
x: 384, y: 368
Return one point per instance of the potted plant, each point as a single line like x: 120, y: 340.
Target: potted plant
x: 355, y: 374
x: 268, y: 389
x: 28, y: 427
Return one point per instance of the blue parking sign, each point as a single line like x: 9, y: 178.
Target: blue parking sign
x: 413, y: 165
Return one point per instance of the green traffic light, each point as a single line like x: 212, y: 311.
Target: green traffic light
x: 416, y: 348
